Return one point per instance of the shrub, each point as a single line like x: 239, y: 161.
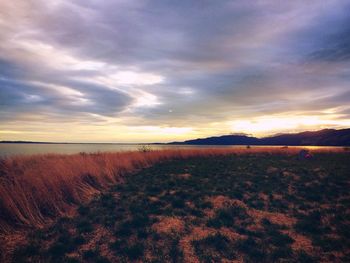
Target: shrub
x: 246, y: 245
x: 310, y: 224
x: 107, y: 201
x: 22, y: 254
x: 144, y: 148
x: 139, y: 221
x: 84, y: 226
x: 213, y: 248
x: 71, y: 260
x: 303, y: 257
x: 83, y: 210
x: 178, y: 203
x: 135, y: 251
x: 58, y: 250
x: 124, y: 230
x: 281, y: 252
x: 175, y: 253
x: 252, y: 249
x: 90, y: 254
x: 226, y: 216
x: 279, y: 239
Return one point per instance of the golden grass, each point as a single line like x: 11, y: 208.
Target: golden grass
x: 35, y: 189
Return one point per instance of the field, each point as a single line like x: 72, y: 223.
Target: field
x: 247, y: 205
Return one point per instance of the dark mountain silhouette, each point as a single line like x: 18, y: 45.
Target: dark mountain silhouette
x: 326, y: 137
x: 223, y: 140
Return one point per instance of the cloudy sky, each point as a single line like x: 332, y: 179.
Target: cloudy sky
x: 143, y: 71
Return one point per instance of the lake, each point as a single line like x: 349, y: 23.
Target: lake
x: 9, y: 149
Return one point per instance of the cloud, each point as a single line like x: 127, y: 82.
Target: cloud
x: 170, y: 65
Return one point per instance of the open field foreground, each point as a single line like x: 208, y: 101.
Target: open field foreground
x: 218, y: 205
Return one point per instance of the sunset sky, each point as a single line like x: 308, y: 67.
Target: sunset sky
x: 157, y: 71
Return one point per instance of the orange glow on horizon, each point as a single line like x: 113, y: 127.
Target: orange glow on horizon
x: 109, y: 131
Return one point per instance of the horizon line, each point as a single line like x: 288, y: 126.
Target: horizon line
x: 141, y: 143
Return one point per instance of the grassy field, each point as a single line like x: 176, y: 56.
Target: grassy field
x: 255, y: 207
x: 38, y: 188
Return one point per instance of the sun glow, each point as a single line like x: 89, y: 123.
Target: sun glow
x: 267, y: 125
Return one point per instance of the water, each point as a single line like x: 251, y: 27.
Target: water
x: 9, y: 149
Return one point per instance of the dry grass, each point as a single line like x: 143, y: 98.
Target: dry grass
x: 35, y: 189
x: 168, y: 225
x: 229, y: 209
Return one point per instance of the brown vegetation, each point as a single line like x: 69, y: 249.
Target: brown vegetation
x: 168, y: 225
x: 35, y: 189
x: 221, y: 205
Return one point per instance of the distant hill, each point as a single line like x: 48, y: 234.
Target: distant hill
x: 223, y: 140
x: 326, y: 137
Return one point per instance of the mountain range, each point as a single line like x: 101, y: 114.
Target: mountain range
x: 325, y: 137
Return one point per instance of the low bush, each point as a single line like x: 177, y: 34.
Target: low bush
x: 214, y: 248
x: 227, y: 216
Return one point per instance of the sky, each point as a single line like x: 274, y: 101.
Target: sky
x: 159, y: 71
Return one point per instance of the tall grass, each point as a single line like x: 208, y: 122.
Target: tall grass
x: 35, y: 189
